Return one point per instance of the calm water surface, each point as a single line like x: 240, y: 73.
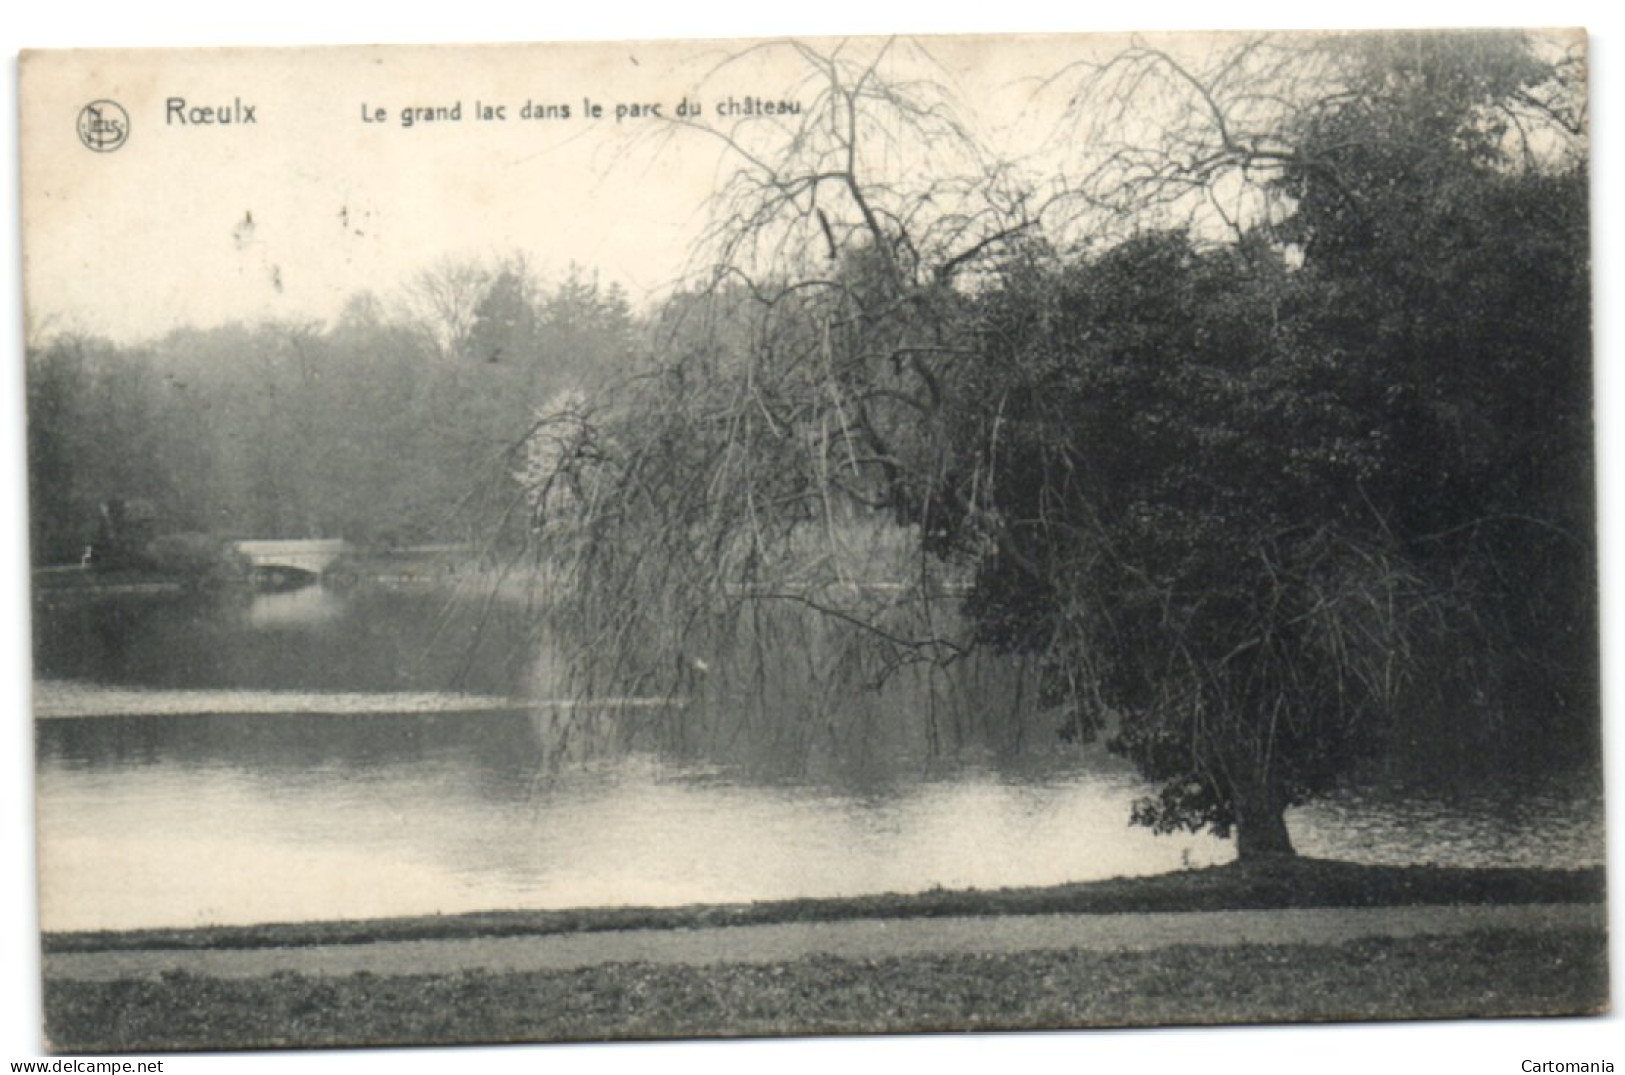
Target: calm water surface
x: 326, y: 755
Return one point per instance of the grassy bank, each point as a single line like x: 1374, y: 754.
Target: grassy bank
x: 1256, y: 886
x: 1484, y: 974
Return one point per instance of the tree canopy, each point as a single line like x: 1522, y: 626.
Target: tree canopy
x: 1261, y: 426
x: 1249, y: 413
x: 385, y: 427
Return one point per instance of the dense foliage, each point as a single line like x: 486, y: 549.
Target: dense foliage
x: 383, y: 428
x: 1265, y: 499
x: 1261, y: 489
x: 1262, y: 429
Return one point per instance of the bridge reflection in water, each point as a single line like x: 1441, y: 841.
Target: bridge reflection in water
x: 291, y: 564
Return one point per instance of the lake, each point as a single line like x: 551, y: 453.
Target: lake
x: 319, y: 754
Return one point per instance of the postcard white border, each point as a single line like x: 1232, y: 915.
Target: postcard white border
x: 1490, y: 1047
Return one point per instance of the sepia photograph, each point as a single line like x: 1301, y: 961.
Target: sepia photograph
x: 734, y: 537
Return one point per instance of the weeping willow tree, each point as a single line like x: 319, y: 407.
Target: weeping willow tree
x: 1115, y: 421
x: 742, y: 519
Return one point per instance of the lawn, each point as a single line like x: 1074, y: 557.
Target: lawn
x: 1485, y: 974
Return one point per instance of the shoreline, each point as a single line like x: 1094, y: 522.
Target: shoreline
x: 1299, y: 883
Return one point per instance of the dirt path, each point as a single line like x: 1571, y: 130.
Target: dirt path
x: 858, y: 939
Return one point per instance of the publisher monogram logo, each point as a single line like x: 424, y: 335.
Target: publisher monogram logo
x: 103, y: 126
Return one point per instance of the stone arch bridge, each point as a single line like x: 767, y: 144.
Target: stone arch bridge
x: 291, y: 562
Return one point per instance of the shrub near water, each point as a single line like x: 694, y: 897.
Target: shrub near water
x: 201, y: 559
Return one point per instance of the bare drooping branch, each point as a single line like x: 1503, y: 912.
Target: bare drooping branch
x: 1207, y: 135
x: 1149, y: 422
x: 443, y: 300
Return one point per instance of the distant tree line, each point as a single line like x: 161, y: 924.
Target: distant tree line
x: 392, y: 425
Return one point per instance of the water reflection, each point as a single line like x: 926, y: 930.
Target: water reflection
x: 216, y: 798
x: 309, y: 639
x: 1527, y: 822
x: 432, y: 815
x: 299, y: 608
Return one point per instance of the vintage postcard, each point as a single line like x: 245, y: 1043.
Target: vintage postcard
x: 756, y: 538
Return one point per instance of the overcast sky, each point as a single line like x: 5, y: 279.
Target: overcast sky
x: 257, y: 185
x: 288, y: 215
x: 317, y: 189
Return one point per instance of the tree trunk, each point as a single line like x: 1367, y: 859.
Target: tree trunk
x: 1261, y: 825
